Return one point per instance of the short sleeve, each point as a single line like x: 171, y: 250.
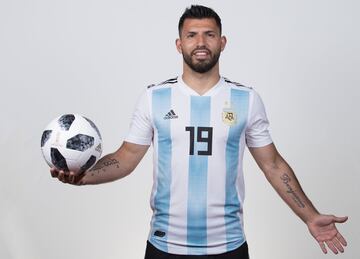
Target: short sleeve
x: 257, y: 131
x: 141, y: 131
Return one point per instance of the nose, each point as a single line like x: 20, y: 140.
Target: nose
x: 200, y: 40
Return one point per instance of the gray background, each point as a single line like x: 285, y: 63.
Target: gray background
x: 95, y: 57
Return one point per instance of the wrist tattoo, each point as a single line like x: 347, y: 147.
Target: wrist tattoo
x: 102, y: 167
x: 286, y: 180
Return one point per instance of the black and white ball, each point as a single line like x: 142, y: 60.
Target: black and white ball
x: 71, y: 142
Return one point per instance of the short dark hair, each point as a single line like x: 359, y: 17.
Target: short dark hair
x: 198, y: 12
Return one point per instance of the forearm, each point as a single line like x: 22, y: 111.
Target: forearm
x: 116, y: 165
x: 109, y: 168
x: 284, y: 181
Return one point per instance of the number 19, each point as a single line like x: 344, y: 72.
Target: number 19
x: 200, y: 138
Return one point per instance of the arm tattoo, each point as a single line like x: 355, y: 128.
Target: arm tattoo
x: 103, y: 165
x: 286, y: 180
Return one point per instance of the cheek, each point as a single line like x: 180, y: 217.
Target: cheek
x: 219, y: 47
x: 186, y: 49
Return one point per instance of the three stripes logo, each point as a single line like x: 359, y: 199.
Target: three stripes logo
x: 170, y: 115
x: 169, y: 81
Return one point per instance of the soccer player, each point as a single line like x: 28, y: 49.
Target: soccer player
x: 199, y: 124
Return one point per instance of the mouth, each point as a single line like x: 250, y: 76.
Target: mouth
x: 201, y: 53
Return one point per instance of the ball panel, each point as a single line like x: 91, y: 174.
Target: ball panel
x: 47, y: 156
x: 45, y: 137
x: 65, y: 121
x: 58, y: 160
x: 80, y: 142
x: 92, y: 124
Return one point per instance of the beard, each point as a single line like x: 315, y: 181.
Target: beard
x: 202, y: 66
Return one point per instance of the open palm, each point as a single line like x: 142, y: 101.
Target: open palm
x: 323, y: 229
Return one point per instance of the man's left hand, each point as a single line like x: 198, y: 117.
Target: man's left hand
x: 323, y: 229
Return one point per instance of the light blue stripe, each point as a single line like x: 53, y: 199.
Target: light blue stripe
x: 161, y: 103
x: 234, y: 231
x: 197, y: 185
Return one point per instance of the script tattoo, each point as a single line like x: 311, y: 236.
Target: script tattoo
x: 286, y: 180
x: 102, y: 167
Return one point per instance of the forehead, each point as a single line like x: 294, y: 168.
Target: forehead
x: 204, y: 24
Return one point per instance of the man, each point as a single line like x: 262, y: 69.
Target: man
x: 199, y: 124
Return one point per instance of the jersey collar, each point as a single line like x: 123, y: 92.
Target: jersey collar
x: 189, y: 91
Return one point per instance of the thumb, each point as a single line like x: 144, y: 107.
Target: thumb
x: 340, y: 219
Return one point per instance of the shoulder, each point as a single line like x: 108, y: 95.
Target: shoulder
x: 164, y: 84
x: 254, y: 96
x: 236, y: 85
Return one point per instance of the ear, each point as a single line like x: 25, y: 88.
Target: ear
x: 178, y: 45
x: 223, y: 42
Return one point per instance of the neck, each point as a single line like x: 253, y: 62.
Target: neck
x: 201, y: 82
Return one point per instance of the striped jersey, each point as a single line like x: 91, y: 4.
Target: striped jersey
x: 198, y: 141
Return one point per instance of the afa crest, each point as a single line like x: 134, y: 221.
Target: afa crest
x: 229, y: 117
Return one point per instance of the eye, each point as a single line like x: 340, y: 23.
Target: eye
x: 190, y: 35
x: 211, y: 35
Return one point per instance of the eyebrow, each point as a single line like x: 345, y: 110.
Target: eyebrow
x: 194, y: 32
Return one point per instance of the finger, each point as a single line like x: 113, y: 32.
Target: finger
x: 332, y: 247
x: 338, y: 245
x: 323, y: 248
x: 66, y: 177
x: 54, y: 172
x: 71, y: 177
x: 61, y: 176
x: 340, y: 219
x: 341, y: 239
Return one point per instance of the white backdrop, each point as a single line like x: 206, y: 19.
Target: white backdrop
x: 94, y: 58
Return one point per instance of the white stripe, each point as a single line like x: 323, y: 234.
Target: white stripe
x: 178, y: 197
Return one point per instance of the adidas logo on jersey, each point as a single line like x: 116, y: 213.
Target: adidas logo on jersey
x: 170, y: 115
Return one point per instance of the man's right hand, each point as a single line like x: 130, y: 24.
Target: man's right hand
x: 67, y: 177
x: 109, y: 168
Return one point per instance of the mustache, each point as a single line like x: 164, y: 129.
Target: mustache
x: 200, y: 48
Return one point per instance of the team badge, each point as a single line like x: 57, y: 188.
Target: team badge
x: 229, y: 117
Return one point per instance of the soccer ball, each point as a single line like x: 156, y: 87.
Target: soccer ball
x: 71, y: 142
